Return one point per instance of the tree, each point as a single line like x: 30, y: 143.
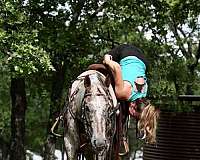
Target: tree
x: 174, y: 27
x: 23, y: 57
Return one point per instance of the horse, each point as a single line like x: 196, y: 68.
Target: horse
x: 88, y: 119
x: 92, y: 126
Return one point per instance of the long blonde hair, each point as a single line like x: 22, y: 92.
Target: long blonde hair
x: 148, y: 122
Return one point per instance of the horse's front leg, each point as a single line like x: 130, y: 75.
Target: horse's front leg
x: 71, y: 138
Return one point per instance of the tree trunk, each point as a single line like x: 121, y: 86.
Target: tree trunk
x: 19, y: 105
x: 191, y: 68
x: 55, y: 107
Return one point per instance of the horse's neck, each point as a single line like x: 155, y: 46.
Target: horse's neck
x: 110, y: 88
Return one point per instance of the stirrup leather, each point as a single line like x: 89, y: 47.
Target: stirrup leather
x: 126, y: 147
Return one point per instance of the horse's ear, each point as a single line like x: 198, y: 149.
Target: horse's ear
x: 87, y: 82
x: 107, y: 81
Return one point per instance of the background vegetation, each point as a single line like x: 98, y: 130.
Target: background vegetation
x: 45, y: 44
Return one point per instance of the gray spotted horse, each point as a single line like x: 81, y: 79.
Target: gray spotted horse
x: 88, y: 123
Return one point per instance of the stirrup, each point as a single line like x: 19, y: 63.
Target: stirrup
x: 54, y: 125
x: 126, y: 147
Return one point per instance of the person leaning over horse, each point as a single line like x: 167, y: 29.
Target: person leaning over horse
x: 128, y: 66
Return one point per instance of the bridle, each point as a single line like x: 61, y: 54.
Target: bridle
x: 109, y: 109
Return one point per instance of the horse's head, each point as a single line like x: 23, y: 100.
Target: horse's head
x: 97, y: 105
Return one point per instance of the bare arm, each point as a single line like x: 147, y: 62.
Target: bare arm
x: 122, y: 88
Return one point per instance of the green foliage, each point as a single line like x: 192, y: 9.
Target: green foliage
x: 25, y: 58
x: 19, y: 45
x: 5, y: 122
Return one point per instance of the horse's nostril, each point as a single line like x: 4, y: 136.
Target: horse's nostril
x: 100, y: 148
x: 99, y: 144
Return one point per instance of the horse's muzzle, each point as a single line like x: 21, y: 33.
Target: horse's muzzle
x: 99, y: 144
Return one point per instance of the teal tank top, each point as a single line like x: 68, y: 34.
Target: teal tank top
x: 132, y: 67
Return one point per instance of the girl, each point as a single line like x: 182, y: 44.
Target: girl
x: 128, y: 66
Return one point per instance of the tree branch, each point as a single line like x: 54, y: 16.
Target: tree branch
x: 78, y: 7
x: 105, y: 38
x: 175, y: 31
x: 187, y: 41
x: 197, y: 57
x: 98, y: 10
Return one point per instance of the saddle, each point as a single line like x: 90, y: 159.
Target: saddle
x: 99, y: 67
x: 104, y: 69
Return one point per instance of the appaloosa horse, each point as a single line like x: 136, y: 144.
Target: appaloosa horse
x: 88, y: 119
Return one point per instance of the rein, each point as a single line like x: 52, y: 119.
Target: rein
x: 110, y: 118
x: 83, y: 110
